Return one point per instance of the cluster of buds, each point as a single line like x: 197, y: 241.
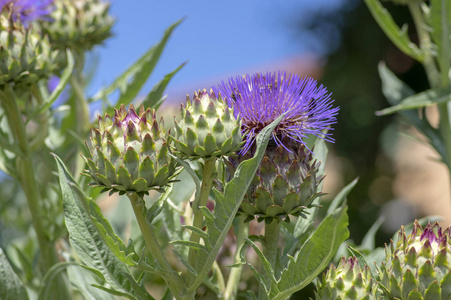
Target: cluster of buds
x: 79, y: 24
x: 25, y: 56
x: 418, y: 266
x: 207, y: 128
x: 130, y: 153
x: 347, y: 281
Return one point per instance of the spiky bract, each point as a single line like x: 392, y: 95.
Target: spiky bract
x: 418, y: 266
x: 207, y: 128
x: 129, y: 153
x: 25, y: 56
x: 348, y: 281
x: 286, y: 183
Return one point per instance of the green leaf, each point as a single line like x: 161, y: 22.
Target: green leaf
x: 227, y: 205
x: 11, y: 287
x: 314, y: 255
x: 369, y: 240
x: 82, y: 280
x: 426, y: 98
x: 395, y: 91
x: 86, y: 233
x: 305, y: 224
x: 156, y: 208
x: 155, y: 98
x: 133, y: 79
x: 341, y: 197
x: 398, y: 36
x: 53, y: 272
x: 267, y: 268
x: 64, y: 79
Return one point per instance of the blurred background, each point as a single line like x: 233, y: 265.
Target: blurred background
x: 335, y: 41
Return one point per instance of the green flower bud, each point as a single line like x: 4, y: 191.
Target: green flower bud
x: 129, y: 153
x: 418, y: 266
x: 347, y: 281
x: 25, y: 56
x: 286, y: 183
x: 79, y: 24
x: 207, y: 128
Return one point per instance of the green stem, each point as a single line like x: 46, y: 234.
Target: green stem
x: 81, y: 110
x: 173, y: 279
x: 270, y: 248
x: 198, y: 222
x: 25, y: 174
x: 435, y: 79
x: 231, y: 290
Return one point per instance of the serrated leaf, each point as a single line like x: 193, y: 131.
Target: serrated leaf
x: 398, y: 36
x: 87, y: 240
x: 155, y: 98
x: 314, y: 255
x: 11, y: 287
x: 133, y: 79
x: 227, y: 205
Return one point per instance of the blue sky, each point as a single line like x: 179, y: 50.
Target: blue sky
x: 216, y: 38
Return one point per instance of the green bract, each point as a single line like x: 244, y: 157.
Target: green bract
x: 79, y: 24
x: 347, y: 281
x: 207, y: 128
x: 286, y: 183
x: 418, y: 266
x: 25, y: 56
x: 129, y: 153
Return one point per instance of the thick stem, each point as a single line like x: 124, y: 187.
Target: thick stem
x: 25, y: 174
x: 436, y: 79
x: 270, y: 248
x: 207, y: 181
x: 242, y: 231
x: 173, y: 280
x: 81, y: 109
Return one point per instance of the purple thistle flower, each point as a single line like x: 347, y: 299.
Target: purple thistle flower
x: 28, y: 10
x: 261, y: 98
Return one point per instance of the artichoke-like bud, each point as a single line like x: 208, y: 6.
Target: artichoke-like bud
x: 286, y: 183
x: 347, y: 281
x: 418, y: 266
x: 207, y: 128
x: 79, y: 24
x: 25, y: 56
x: 129, y: 153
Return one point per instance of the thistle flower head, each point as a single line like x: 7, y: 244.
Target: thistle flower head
x: 260, y: 98
x: 347, y: 281
x: 28, y: 10
x: 129, y: 153
x: 417, y: 266
x: 206, y: 128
